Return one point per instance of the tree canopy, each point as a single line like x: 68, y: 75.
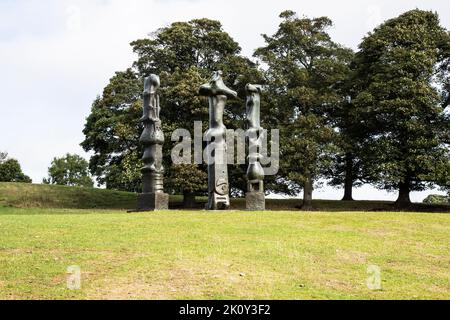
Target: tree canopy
x: 304, y: 66
x: 184, y: 55
x: 402, y: 74
x: 70, y: 170
x: 11, y: 171
x: 377, y: 116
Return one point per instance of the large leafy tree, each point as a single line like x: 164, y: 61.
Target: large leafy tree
x: 184, y: 55
x: 348, y: 168
x: 70, y: 170
x: 304, y: 66
x: 402, y: 80
x: 10, y: 170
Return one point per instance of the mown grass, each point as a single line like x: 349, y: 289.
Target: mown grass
x: 20, y: 195
x: 223, y: 255
x: 51, y: 196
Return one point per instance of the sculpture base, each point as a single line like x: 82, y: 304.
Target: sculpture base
x: 255, y: 201
x: 218, y: 202
x: 153, y: 201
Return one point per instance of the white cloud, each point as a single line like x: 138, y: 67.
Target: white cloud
x: 56, y: 56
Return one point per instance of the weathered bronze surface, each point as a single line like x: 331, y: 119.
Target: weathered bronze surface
x: 255, y: 199
x: 218, y: 186
x: 152, y: 138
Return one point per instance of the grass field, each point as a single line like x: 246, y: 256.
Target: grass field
x: 50, y: 196
x: 236, y: 255
x: 215, y: 255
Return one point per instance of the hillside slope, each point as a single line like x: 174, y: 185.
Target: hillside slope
x: 24, y: 195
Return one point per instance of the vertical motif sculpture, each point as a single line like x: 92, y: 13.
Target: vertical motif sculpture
x: 255, y: 199
x: 152, y: 138
x: 218, y: 187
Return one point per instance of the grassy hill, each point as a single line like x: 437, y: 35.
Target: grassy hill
x: 22, y: 195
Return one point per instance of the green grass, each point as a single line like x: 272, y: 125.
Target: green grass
x: 50, y: 196
x: 223, y: 255
x: 283, y: 254
x: 22, y: 195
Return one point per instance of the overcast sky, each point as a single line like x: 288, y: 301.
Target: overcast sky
x: 57, y: 55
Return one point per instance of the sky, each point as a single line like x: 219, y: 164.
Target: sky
x: 56, y: 56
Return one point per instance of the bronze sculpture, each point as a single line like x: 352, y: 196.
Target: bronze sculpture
x: 255, y: 199
x: 152, y: 138
x: 218, y: 186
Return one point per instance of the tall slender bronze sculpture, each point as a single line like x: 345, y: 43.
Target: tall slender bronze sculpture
x: 255, y: 199
x: 218, y: 187
x: 152, y: 138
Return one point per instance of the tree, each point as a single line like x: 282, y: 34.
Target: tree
x: 10, y: 170
x: 304, y: 65
x: 184, y: 55
x: 436, y: 199
x: 183, y: 175
x: 402, y: 73
x: 348, y: 168
x: 112, y: 132
x: 70, y: 170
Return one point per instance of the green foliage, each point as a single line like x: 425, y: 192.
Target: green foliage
x: 190, y: 177
x: 70, y: 170
x: 184, y: 55
x: 377, y: 117
x: 10, y: 170
x: 402, y: 72
x: 200, y: 42
x: 347, y: 167
x: 112, y: 131
x: 304, y: 65
x: 436, y: 199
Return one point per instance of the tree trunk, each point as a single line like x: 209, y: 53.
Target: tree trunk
x: 307, y: 194
x: 189, y: 199
x: 348, y: 183
x: 403, y: 200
